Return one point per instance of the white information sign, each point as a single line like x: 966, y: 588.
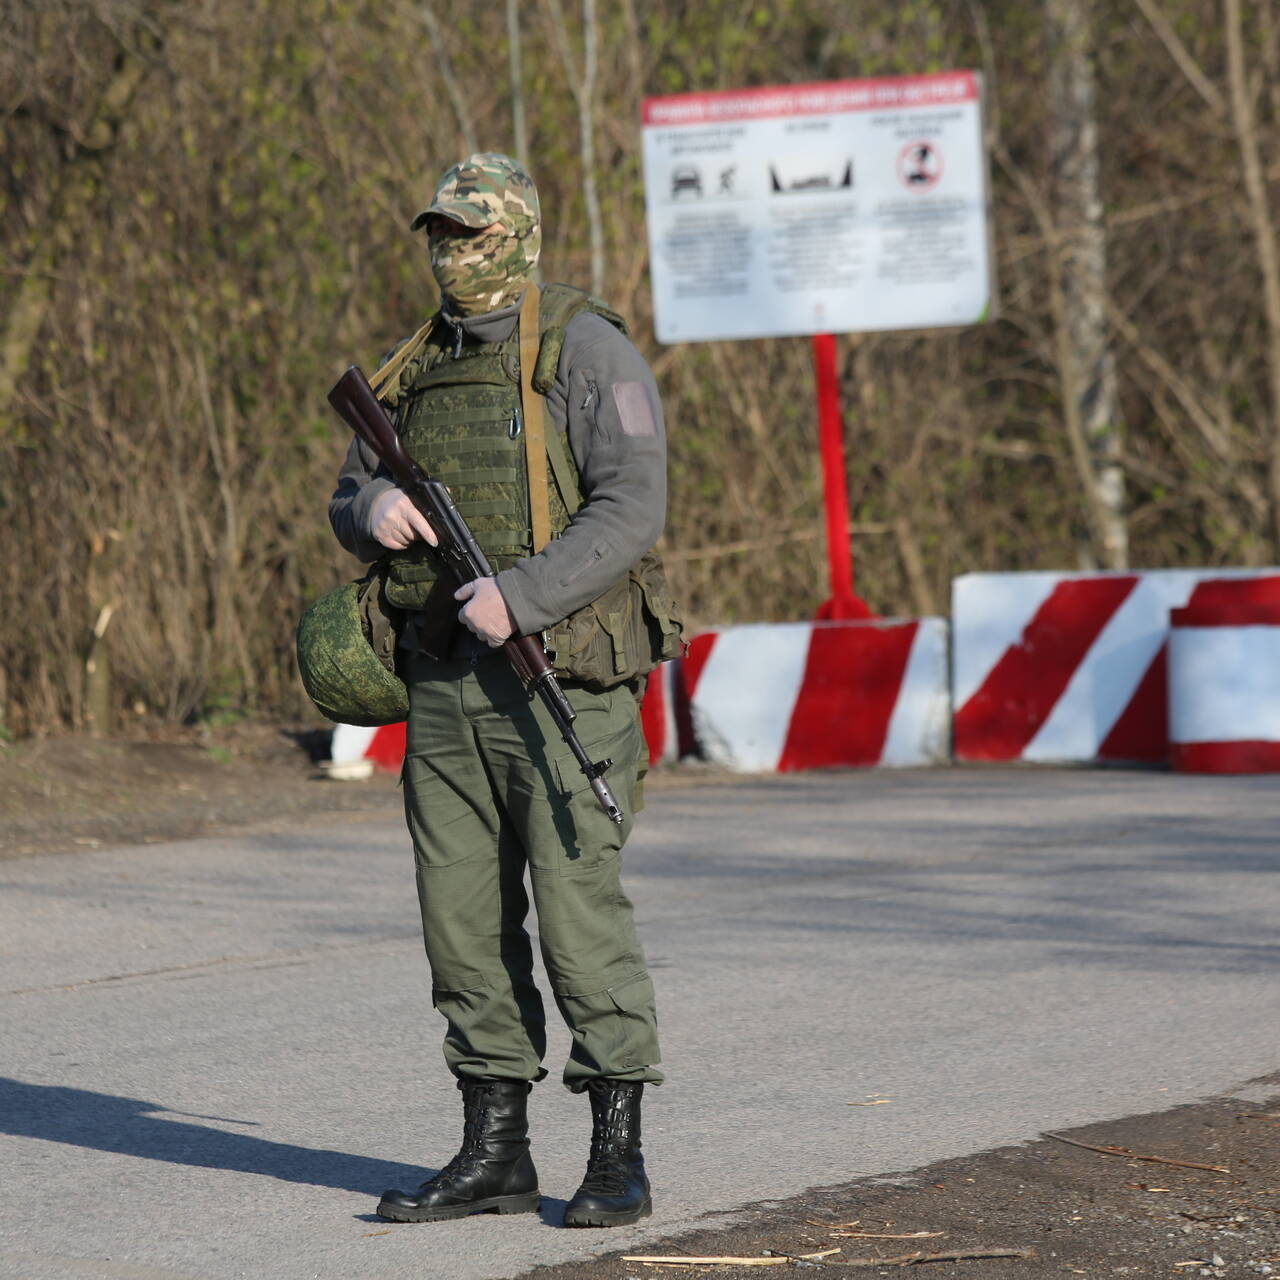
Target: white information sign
x: 821, y: 208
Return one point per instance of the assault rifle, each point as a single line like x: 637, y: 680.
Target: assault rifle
x: 360, y: 409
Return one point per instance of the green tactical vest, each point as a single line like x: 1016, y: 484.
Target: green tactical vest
x: 460, y: 419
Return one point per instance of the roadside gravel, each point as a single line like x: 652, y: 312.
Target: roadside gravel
x: 1071, y: 1211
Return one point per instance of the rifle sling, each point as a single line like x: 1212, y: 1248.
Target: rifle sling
x: 566, y: 473
x: 385, y: 377
x: 535, y: 432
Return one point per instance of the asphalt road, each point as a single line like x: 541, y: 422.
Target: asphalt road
x: 215, y: 1054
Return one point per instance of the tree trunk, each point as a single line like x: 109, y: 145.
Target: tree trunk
x: 1087, y: 365
x: 26, y: 315
x: 583, y: 90
x: 520, y: 137
x: 587, y: 126
x: 466, y: 131
x: 24, y: 322
x: 1259, y: 210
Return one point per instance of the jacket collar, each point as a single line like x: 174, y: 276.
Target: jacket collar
x: 492, y: 326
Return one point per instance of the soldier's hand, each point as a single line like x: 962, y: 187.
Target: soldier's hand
x: 395, y: 522
x: 485, y: 613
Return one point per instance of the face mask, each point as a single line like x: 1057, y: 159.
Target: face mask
x: 485, y: 271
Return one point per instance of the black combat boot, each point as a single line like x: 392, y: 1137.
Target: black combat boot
x: 615, y: 1190
x: 492, y: 1173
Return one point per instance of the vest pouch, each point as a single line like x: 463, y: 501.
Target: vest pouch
x: 409, y: 575
x: 622, y: 634
x: 663, y: 620
x: 380, y: 620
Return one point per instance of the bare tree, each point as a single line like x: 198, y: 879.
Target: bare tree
x: 1086, y: 362
x: 1264, y: 233
x: 518, y: 128
x: 444, y: 64
x: 82, y: 144
x: 197, y: 236
x: 583, y: 88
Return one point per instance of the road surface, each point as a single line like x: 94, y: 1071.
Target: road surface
x: 215, y: 1054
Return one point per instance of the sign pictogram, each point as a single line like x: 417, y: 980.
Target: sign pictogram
x: 920, y: 165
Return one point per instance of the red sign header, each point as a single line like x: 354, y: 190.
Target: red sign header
x: 823, y: 98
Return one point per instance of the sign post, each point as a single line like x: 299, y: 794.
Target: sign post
x: 844, y: 605
x: 815, y: 209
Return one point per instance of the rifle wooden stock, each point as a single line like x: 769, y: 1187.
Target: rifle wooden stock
x: 356, y: 404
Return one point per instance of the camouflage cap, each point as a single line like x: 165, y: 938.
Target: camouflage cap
x: 484, y: 188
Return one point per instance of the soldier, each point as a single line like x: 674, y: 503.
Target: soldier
x: 489, y: 787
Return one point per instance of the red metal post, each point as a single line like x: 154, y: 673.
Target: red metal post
x: 844, y: 604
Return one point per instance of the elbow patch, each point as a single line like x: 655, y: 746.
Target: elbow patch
x: 635, y: 413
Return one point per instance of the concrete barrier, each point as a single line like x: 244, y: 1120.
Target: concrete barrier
x: 1224, y: 681
x: 806, y: 695
x: 1071, y: 667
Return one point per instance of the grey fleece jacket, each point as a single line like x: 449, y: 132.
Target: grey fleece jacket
x: 606, y: 399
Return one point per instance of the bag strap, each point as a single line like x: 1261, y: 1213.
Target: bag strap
x: 386, y: 376
x: 565, y: 472
x: 535, y: 431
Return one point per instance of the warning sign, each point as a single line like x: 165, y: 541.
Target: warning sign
x: 839, y: 207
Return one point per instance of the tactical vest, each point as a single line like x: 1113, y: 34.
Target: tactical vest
x: 459, y: 416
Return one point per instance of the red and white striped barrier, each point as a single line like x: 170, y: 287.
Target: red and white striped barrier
x: 776, y: 697
x: 1224, y: 683
x: 355, y: 752
x: 664, y: 715
x: 808, y: 695
x: 1058, y: 667
x: 381, y: 748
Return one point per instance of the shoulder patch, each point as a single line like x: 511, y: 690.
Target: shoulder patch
x: 635, y: 413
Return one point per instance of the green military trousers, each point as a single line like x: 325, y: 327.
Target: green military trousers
x: 491, y: 789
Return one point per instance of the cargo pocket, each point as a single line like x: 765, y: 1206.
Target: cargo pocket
x: 466, y: 992
x: 464, y: 1007
x: 482, y: 1036
x: 635, y: 995
x: 443, y: 823
x: 587, y: 836
x: 615, y: 1030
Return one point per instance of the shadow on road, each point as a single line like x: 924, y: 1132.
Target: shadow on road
x: 551, y: 1211
x: 133, y: 1127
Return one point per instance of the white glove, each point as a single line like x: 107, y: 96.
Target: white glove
x: 485, y: 613
x: 395, y: 522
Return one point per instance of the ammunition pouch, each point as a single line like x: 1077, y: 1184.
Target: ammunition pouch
x: 622, y: 634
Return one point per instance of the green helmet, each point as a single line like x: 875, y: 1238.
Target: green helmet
x: 346, y: 656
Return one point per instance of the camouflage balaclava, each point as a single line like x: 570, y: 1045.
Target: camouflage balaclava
x: 480, y: 271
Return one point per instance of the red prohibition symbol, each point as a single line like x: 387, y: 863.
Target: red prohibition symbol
x: 920, y: 165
